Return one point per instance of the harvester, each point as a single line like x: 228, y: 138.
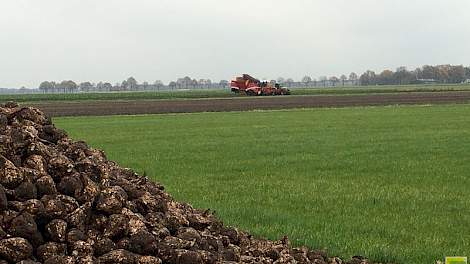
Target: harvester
x: 252, y: 86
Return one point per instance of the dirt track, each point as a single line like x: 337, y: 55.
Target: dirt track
x: 94, y: 108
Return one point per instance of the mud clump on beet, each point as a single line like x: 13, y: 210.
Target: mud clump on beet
x: 64, y: 202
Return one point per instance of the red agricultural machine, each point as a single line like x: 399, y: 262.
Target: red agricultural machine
x: 252, y: 86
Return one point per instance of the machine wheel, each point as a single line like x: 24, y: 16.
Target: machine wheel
x: 249, y: 92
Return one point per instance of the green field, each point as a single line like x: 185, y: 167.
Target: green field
x: 222, y: 93
x: 390, y: 183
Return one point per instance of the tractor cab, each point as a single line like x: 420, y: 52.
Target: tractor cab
x: 263, y: 84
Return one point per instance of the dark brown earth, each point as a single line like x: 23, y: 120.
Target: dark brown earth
x: 86, y: 108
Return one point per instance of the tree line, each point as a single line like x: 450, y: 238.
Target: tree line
x: 447, y: 73
x: 451, y: 74
x: 130, y: 84
x: 427, y: 74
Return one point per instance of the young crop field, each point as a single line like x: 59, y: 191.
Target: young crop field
x: 223, y: 93
x: 389, y: 183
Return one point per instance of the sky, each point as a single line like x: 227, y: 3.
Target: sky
x: 110, y: 40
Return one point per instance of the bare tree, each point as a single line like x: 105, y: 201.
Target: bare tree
x: 132, y: 84
x: 456, y: 74
x: 343, y: 79
x: 145, y: 86
x: 187, y: 81
x: 201, y: 83
x: 353, y: 78
x: 386, y: 77
x: 124, y: 85
x: 323, y: 80
x: 158, y: 84
x: 86, y: 86
x: 403, y: 76
x: 67, y: 86
x: 107, y: 87
x: 306, y: 80
x: 223, y: 83
x: 289, y: 82
x: 208, y: 83
x: 47, y: 87
x: 467, y: 73
x: 368, y: 78
x: 195, y: 83
x: 334, y: 80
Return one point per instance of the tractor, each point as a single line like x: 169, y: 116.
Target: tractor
x: 252, y: 86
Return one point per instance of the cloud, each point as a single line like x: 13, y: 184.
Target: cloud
x: 162, y: 39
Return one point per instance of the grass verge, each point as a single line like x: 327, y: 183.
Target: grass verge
x: 390, y: 183
x: 224, y: 93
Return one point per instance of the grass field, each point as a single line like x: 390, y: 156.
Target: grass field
x: 390, y: 183
x: 222, y: 93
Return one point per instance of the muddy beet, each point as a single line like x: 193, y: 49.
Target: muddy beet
x: 15, y: 249
x: 63, y: 202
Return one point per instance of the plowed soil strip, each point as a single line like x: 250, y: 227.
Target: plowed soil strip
x: 97, y: 108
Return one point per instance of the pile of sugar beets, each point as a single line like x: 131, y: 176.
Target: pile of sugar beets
x: 63, y: 202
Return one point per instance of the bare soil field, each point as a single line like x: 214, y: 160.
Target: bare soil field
x: 130, y: 107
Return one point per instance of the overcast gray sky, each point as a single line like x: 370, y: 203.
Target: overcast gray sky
x: 111, y: 40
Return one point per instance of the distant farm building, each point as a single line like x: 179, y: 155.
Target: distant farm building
x: 427, y: 81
